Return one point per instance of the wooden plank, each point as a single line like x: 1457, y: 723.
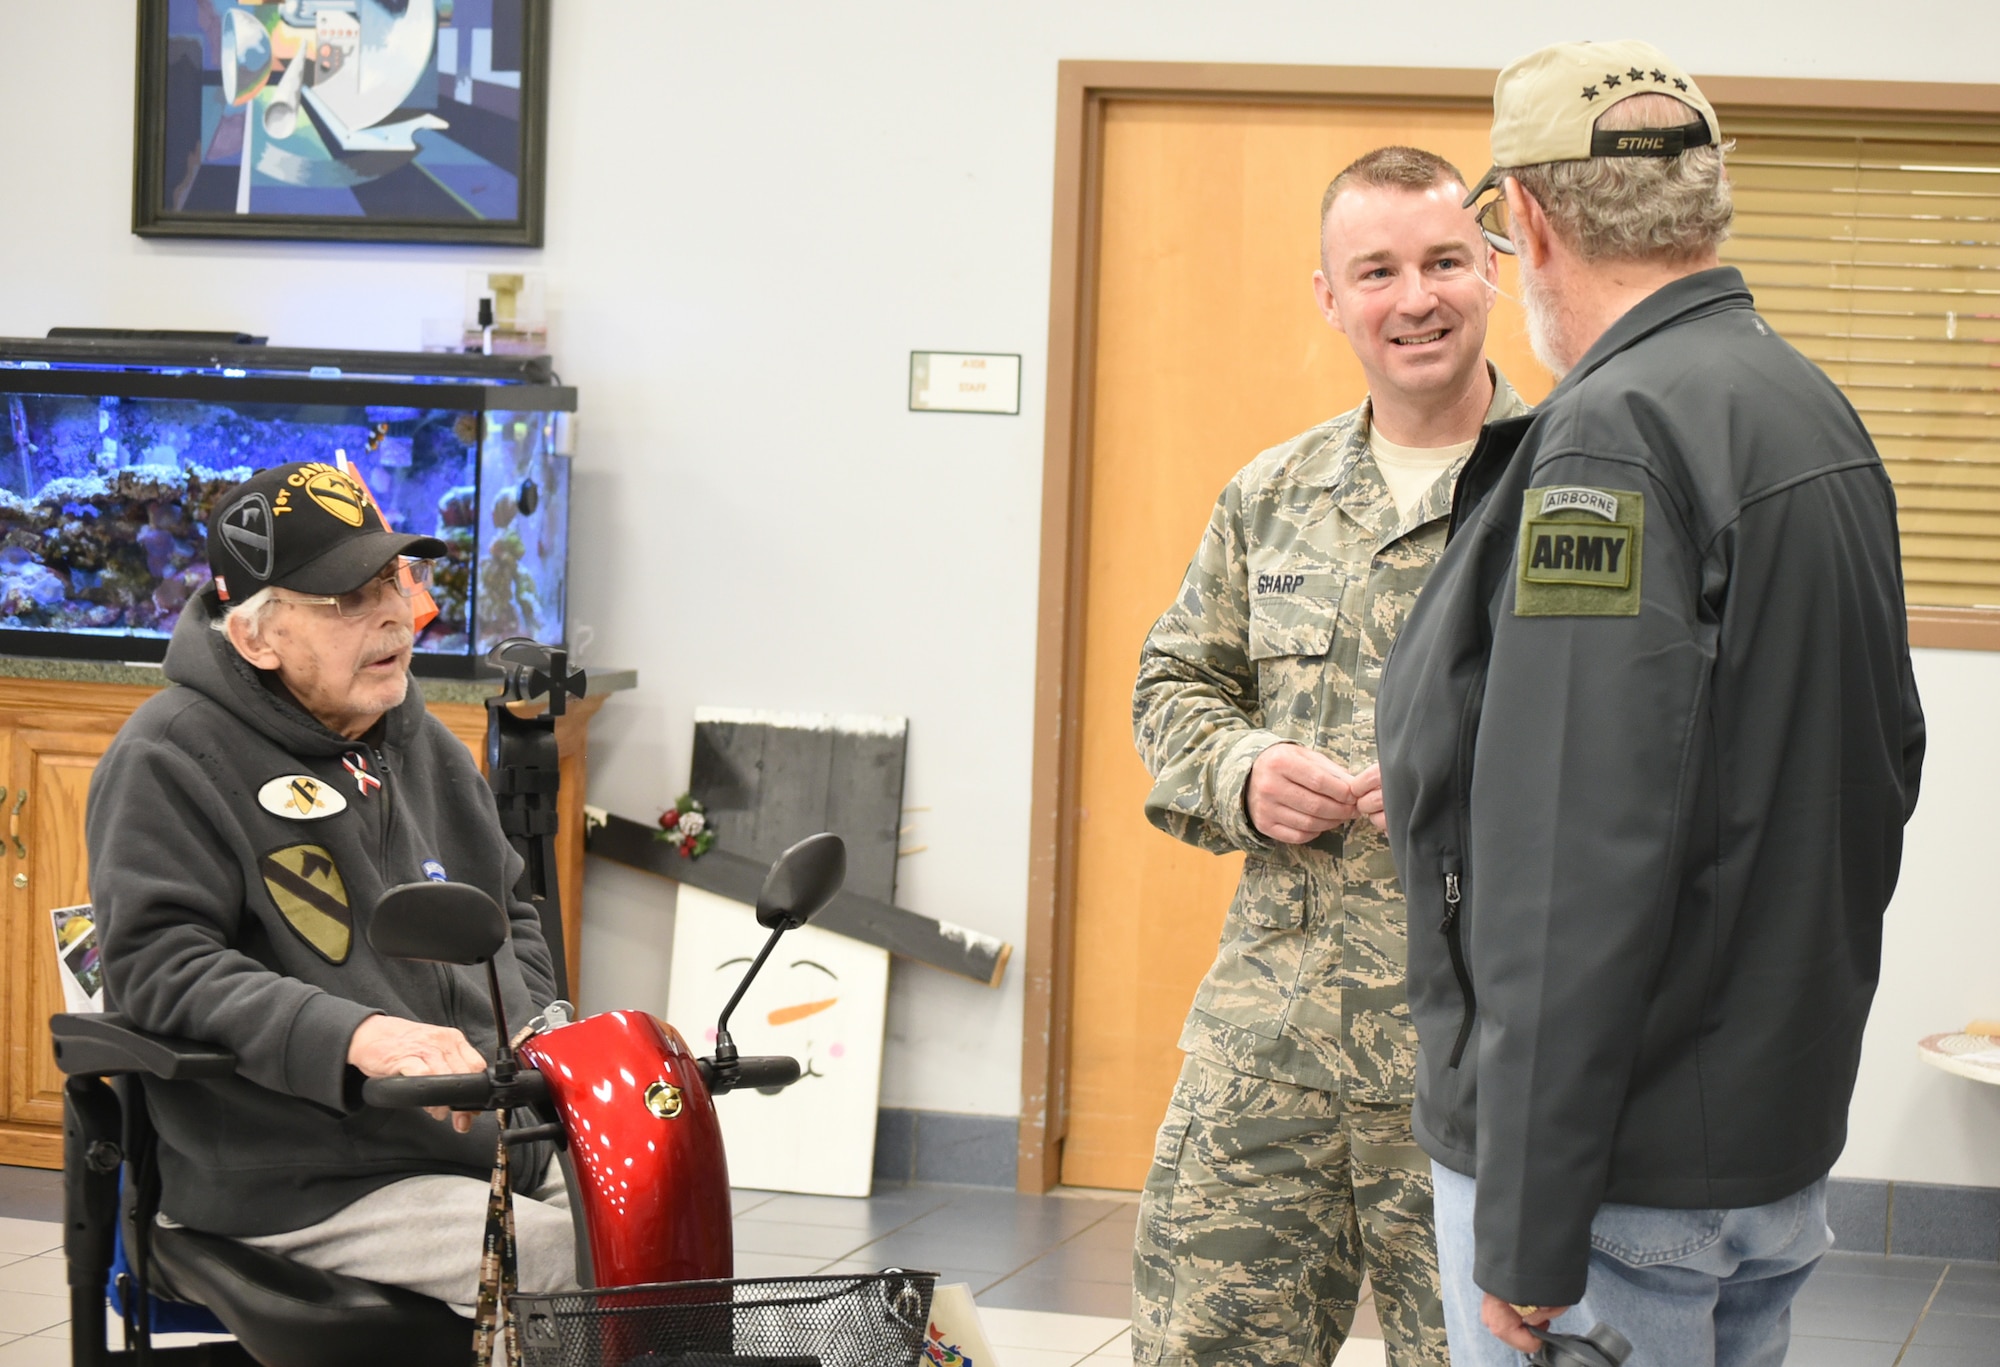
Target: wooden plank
x: 955, y: 949
x: 770, y: 779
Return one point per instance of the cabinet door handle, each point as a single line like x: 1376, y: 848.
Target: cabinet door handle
x: 14, y: 824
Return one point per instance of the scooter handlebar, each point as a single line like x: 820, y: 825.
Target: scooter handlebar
x: 755, y: 1072
x: 459, y: 1091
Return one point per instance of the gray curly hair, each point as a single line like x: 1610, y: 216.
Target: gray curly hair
x: 1633, y: 208
x: 254, y: 610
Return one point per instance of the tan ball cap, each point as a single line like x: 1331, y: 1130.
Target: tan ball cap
x: 1544, y: 106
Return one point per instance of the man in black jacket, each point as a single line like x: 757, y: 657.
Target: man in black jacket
x: 241, y: 828
x: 1648, y: 745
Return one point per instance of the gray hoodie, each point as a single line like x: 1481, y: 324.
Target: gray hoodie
x: 235, y: 859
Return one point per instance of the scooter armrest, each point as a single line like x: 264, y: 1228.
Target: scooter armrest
x: 98, y: 1045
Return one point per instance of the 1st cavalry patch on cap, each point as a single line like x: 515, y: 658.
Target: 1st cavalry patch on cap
x: 300, y: 797
x: 1580, y: 552
x: 308, y: 892
x: 336, y: 493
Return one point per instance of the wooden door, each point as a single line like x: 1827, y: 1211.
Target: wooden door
x: 44, y: 866
x: 1209, y: 348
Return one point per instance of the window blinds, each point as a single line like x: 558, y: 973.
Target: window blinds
x: 1876, y: 251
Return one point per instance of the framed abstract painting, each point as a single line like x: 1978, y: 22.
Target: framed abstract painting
x: 344, y: 120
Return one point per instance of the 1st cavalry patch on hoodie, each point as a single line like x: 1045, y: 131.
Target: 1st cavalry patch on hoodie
x: 300, y: 797
x: 309, y: 894
x: 1580, y: 552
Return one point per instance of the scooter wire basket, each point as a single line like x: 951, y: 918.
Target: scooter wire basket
x: 869, y: 1320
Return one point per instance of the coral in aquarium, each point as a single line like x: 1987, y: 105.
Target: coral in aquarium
x: 119, y: 551
x: 451, y: 577
x: 508, y: 602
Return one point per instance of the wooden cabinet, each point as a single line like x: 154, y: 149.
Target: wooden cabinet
x: 44, y: 836
x: 51, y: 736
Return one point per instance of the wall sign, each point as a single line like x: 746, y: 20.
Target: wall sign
x: 964, y: 382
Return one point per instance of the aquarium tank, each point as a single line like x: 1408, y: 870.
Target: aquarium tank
x: 112, y: 453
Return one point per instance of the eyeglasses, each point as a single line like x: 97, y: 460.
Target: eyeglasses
x: 1494, y: 225
x: 404, y: 575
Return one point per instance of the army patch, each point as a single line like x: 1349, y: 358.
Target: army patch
x: 308, y: 891
x: 300, y: 797
x: 1564, y: 553
x: 1580, y: 553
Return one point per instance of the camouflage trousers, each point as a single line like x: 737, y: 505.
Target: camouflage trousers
x: 1265, y: 1205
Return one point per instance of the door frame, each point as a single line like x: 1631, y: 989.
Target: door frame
x: 1084, y: 90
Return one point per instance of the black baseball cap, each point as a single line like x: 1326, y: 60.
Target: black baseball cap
x: 307, y: 527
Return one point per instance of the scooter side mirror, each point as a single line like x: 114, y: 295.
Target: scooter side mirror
x: 446, y: 923
x: 802, y: 881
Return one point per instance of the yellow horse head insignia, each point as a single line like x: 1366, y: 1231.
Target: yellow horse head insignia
x: 300, y: 797
x: 337, y: 494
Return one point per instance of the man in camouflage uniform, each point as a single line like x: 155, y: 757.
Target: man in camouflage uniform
x: 1286, y: 1169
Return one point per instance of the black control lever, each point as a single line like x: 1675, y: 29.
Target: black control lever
x: 1603, y: 1346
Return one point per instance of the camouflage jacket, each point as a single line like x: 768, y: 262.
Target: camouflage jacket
x: 1280, y: 631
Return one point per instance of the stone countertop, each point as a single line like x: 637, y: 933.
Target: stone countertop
x: 601, y: 680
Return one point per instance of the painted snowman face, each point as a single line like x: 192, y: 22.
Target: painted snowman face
x: 804, y: 1016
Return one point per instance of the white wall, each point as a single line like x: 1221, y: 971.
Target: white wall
x: 755, y: 212
x: 1941, y: 948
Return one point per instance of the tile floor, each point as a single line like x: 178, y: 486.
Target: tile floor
x: 1050, y: 1274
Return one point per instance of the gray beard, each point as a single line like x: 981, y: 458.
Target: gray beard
x: 1547, y: 331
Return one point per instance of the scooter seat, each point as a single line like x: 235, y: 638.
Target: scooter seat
x: 286, y: 1314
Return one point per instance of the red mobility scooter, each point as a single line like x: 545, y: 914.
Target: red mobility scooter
x: 632, y: 1111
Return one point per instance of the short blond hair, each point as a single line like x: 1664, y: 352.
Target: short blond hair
x: 1635, y: 208
x: 1386, y: 168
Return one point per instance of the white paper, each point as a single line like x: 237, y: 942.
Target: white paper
x: 822, y: 998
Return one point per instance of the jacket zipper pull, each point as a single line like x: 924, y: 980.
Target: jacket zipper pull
x: 1451, y: 900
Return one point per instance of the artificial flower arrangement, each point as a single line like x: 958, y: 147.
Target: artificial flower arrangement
x: 685, y: 826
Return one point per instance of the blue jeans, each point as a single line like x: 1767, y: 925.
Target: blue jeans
x: 1689, y: 1288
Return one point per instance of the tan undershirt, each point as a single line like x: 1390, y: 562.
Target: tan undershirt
x: 1410, y: 471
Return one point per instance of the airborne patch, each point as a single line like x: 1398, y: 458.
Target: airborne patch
x: 300, y: 797
x: 308, y: 891
x: 1580, y: 552
x: 1571, y: 496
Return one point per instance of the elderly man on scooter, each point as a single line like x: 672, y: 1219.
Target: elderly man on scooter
x: 241, y: 828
